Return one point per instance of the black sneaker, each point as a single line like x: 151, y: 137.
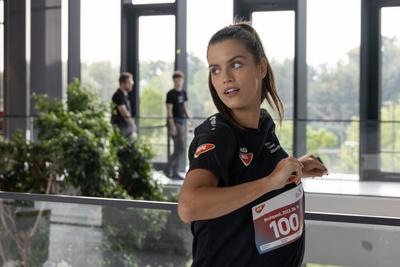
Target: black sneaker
x: 167, y: 173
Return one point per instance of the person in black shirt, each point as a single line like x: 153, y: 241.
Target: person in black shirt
x: 177, y: 112
x: 243, y: 194
x: 122, y: 111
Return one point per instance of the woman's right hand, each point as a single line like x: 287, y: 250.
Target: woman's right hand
x: 287, y: 171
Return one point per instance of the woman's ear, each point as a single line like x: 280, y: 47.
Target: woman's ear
x: 263, y: 68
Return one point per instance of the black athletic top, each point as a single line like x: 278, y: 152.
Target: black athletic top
x: 118, y: 99
x: 267, y: 232
x: 177, y: 99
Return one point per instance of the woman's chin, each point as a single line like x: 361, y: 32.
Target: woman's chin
x: 236, y: 104
x: 233, y: 103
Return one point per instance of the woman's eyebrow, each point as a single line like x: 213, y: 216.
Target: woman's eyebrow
x: 236, y: 57
x: 230, y: 60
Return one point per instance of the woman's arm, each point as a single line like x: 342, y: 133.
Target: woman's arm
x: 201, y: 199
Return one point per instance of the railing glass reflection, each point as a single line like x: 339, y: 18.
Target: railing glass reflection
x: 49, y: 230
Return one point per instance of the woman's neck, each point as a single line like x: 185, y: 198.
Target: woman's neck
x: 247, y: 118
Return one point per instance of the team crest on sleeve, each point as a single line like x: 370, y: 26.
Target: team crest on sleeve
x: 203, y: 149
x: 245, y: 156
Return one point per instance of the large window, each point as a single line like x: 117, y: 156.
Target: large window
x: 278, y: 43
x: 1, y: 65
x: 333, y: 44
x: 142, y: 2
x: 64, y: 42
x: 156, y: 66
x: 204, y: 18
x: 390, y: 89
x: 101, y: 45
x: 156, y: 62
x: 332, y: 105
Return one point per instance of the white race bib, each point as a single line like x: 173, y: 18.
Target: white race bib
x: 279, y: 221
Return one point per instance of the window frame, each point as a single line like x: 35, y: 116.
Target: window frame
x: 2, y: 85
x: 130, y: 47
x: 370, y: 98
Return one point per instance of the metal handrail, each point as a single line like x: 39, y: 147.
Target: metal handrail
x: 16, y: 116
x: 172, y: 206
x: 121, y: 203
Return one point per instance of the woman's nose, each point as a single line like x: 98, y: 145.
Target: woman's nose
x: 227, y: 78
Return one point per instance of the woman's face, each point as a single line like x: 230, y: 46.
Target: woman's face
x: 235, y: 75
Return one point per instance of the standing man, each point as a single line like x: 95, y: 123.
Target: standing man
x: 122, y: 111
x: 177, y: 112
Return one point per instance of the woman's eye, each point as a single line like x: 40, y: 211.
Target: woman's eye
x: 215, y: 71
x: 236, y: 65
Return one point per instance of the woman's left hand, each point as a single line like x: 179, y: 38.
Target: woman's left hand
x: 312, y: 166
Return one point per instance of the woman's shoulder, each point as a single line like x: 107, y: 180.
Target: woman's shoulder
x: 214, y: 125
x: 216, y: 134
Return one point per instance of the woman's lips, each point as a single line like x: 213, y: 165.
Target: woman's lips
x: 231, y: 91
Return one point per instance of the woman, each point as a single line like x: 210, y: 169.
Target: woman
x: 242, y: 193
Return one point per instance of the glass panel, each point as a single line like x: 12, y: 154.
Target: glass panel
x: 333, y: 75
x: 390, y: 81
x: 1, y: 76
x: 153, y: 129
x: 1, y: 11
x: 348, y: 244
x: 156, y: 65
x: 64, y: 42
x: 337, y: 145
x: 1, y: 71
x: 278, y: 43
x: 199, y: 32
x: 101, y: 45
x: 141, y: 2
x: 61, y: 234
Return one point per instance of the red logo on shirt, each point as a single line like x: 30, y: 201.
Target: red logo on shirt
x: 260, y: 208
x: 246, y: 158
x: 203, y: 149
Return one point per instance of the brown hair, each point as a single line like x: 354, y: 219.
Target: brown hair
x: 123, y: 77
x: 178, y: 74
x: 245, y: 33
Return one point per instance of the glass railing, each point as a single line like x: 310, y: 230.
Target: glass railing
x: 155, y: 131
x: 70, y: 231
x: 50, y: 230
x: 352, y: 244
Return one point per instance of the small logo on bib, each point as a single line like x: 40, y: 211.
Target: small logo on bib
x: 203, y: 149
x: 245, y: 157
x: 260, y: 208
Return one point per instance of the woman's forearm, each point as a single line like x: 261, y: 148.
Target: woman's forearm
x: 205, y: 202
